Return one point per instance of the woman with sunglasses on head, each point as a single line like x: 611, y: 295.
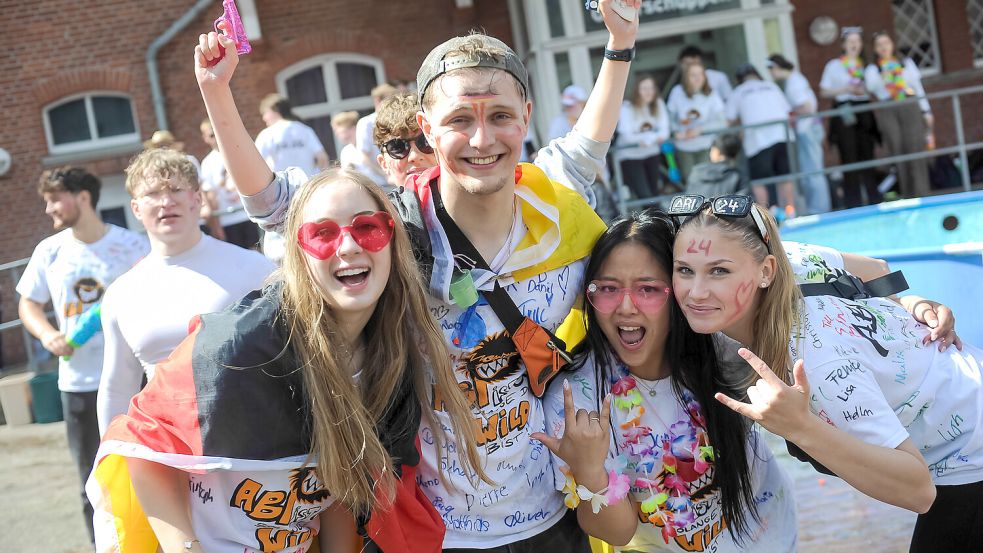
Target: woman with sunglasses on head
x: 870, y: 399
x: 637, y: 417
x: 266, y: 408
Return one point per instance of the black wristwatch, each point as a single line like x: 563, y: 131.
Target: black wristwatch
x: 620, y: 55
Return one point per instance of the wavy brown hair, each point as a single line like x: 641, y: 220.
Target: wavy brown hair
x: 400, y: 336
x: 778, y: 306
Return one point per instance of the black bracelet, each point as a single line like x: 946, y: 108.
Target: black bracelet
x: 620, y: 55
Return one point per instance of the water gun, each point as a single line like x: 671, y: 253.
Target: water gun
x: 669, y: 151
x: 231, y: 17
x: 88, y: 324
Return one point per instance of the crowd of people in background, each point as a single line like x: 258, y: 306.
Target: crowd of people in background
x: 704, y: 104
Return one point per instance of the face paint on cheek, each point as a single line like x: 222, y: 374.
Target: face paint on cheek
x: 742, y: 298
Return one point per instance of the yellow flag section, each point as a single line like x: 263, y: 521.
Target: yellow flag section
x: 550, y: 211
x: 598, y: 546
x: 118, y: 500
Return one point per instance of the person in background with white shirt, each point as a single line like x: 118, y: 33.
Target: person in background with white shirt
x: 719, y: 81
x: 146, y: 312
x: 756, y: 101
x: 854, y: 134
x: 364, y: 132
x: 905, y: 129
x: 343, y: 124
x: 286, y: 142
x: 234, y: 224
x: 72, y: 269
x: 642, y: 128
x: 573, y: 100
x: 808, y: 133
x: 697, y: 109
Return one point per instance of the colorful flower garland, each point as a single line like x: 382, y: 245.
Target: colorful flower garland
x: 853, y: 68
x: 893, y: 74
x: 685, y: 455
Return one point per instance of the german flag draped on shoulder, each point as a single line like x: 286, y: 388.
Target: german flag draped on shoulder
x: 229, y: 408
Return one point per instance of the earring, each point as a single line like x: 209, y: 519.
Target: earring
x: 764, y: 283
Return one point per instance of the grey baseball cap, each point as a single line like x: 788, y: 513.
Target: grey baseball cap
x: 437, y: 63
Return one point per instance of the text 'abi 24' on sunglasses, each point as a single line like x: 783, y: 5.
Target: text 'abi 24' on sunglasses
x: 732, y: 205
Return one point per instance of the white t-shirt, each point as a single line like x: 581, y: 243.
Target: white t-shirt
x: 233, y: 511
x: 289, y: 144
x: 835, y: 77
x: 912, y: 78
x: 719, y: 83
x: 755, y: 101
x: 699, y: 111
x: 665, y: 413
x: 799, y: 93
x: 74, y: 275
x: 871, y: 376
x: 146, y: 312
x: 643, y: 129
x: 213, y: 178
x: 365, y: 143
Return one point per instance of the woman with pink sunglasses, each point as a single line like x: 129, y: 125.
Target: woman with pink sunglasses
x: 283, y: 416
x: 652, y: 462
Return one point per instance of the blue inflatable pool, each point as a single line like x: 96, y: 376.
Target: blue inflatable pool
x: 937, y: 242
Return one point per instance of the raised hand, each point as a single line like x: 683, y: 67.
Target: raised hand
x: 586, y: 436
x: 622, y: 32
x: 211, y: 47
x: 780, y: 408
x: 937, y: 317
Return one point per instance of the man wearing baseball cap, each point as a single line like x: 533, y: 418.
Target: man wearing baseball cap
x: 532, y: 225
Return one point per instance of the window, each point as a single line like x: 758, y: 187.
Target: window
x: 90, y: 121
x: 324, y: 85
x: 914, y: 29
x: 974, y: 11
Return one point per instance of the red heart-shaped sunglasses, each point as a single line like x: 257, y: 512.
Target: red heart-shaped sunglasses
x: 322, y: 239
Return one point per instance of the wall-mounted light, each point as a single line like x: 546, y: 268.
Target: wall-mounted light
x: 5, y: 162
x: 824, y: 30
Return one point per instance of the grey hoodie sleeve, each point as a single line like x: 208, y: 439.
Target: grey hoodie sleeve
x: 268, y: 207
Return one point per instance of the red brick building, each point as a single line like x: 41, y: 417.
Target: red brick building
x: 76, y: 87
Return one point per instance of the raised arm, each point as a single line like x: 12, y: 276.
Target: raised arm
x: 898, y: 476
x: 247, y: 167
x: 600, y: 115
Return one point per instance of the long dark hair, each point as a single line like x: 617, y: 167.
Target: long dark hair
x: 693, y: 366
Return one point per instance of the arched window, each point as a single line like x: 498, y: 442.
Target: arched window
x: 321, y: 86
x: 90, y: 121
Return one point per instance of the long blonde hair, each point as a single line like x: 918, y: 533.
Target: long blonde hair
x: 400, y: 336
x: 778, y: 306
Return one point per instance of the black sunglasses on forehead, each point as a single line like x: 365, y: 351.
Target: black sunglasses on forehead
x: 398, y: 148
x: 731, y: 205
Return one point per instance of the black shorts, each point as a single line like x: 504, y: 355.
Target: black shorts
x: 770, y: 162
x: 954, y: 523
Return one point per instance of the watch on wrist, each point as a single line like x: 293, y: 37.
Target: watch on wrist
x: 620, y: 55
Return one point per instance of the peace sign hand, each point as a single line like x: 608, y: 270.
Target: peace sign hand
x: 780, y: 408
x: 586, y: 435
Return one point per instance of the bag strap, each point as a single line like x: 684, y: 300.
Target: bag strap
x: 850, y: 287
x: 499, y: 300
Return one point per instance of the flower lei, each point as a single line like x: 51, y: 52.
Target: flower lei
x: 853, y: 68
x: 666, y: 472
x: 893, y: 74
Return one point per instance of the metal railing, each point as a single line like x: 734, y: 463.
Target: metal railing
x: 962, y: 148
x: 16, y: 270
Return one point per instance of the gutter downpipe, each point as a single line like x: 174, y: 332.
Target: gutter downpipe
x: 151, y: 58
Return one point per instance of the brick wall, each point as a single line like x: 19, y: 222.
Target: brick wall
x: 60, y: 47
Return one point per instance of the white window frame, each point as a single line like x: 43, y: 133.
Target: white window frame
x: 328, y: 64
x: 934, y: 30
x: 94, y: 143
x: 977, y: 60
